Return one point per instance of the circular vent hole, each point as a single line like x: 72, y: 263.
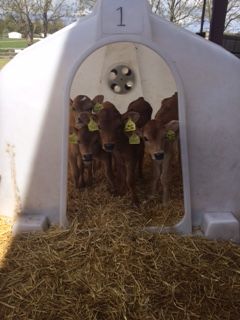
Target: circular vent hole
x: 126, y: 71
x: 113, y: 74
x: 116, y: 88
x: 129, y: 84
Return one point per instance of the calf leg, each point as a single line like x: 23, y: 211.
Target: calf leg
x: 73, y: 162
x: 95, y: 167
x: 74, y: 172
x: 130, y: 180
x: 81, y: 181
x: 120, y: 176
x: 165, y: 177
x: 156, y: 175
x: 140, y: 160
x: 107, y: 163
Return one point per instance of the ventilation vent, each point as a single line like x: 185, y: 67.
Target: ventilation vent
x: 121, y: 79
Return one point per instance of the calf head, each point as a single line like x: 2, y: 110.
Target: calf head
x: 158, y: 138
x: 87, y: 137
x: 110, y: 125
x: 79, y: 104
x: 83, y: 103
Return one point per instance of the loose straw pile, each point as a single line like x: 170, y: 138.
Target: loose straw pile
x: 119, y: 272
x: 104, y: 267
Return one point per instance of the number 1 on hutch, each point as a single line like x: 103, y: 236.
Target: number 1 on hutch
x: 120, y: 9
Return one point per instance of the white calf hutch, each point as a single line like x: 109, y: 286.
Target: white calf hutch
x: 125, y: 37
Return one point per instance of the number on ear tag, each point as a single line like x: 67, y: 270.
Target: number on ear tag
x: 130, y: 126
x: 73, y: 139
x: 134, y: 139
x: 171, y: 136
x: 97, y: 107
x: 92, y: 125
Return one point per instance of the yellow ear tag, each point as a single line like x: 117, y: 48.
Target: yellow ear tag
x: 73, y: 139
x: 171, y: 136
x: 92, y: 125
x: 134, y: 139
x: 129, y: 126
x: 97, y: 107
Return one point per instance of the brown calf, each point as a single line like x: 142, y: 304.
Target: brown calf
x: 144, y: 109
x: 159, y: 143
x: 75, y: 161
x: 114, y: 140
x: 79, y: 104
x: 90, y: 147
x: 161, y: 139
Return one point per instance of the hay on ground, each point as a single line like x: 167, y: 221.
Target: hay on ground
x: 119, y: 272
x: 105, y: 267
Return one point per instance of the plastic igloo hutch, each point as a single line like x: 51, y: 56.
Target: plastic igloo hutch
x: 34, y: 97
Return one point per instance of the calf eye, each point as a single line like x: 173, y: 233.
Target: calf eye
x: 145, y: 138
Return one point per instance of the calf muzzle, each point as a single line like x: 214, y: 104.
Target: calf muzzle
x: 87, y: 157
x: 108, y: 147
x: 159, y: 155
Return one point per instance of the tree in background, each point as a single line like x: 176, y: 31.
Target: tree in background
x: 8, y: 24
x: 55, y: 25
x: 232, y: 22
x: 22, y: 12
x: 181, y: 12
x: 50, y: 11
x: 29, y: 13
x: 83, y: 7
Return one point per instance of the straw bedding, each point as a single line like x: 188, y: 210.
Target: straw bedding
x: 94, y: 202
x: 105, y: 267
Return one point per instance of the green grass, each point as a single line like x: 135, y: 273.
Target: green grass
x: 3, y: 62
x: 13, y: 43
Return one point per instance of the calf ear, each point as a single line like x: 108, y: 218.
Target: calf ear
x: 82, y: 103
x: 172, y: 125
x: 98, y: 99
x: 134, y: 116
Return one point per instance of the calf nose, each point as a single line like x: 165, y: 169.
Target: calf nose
x: 108, y: 147
x: 159, y: 155
x: 87, y: 157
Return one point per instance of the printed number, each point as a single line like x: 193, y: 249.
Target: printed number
x: 121, y: 17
